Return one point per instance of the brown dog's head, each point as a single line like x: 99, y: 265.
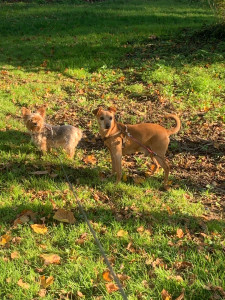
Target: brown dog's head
x: 34, y: 121
x: 106, y: 118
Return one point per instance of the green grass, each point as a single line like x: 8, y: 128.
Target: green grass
x: 146, y: 58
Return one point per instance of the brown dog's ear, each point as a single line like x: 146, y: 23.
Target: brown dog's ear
x: 25, y: 111
x: 41, y: 111
x: 97, y: 110
x: 112, y: 109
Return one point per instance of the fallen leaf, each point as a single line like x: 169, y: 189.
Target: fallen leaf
x: 140, y: 229
x: 90, y: 159
x: 17, y: 240
x: 50, y: 258
x: 182, y: 265
x: 165, y: 295
x: 122, y: 233
x: 219, y: 289
x: 54, y: 206
x: 45, y: 282
x: 130, y: 248
x: 24, y: 285
x: 24, y: 217
x: 181, y: 296
x: 169, y: 210
x: 82, y: 238
x: 123, y: 277
x: 63, y: 215
x: 39, y: 228
x: 111, y: 287
x: 42, y: 293
x: 15, y: 255
x: 4, y: 239
x: 79, y: 294
x: 180, y: 233
x: 159, y: 263
x: 107, y: 276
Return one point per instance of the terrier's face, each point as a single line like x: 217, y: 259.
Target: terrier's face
x: 34, y: 121
x: 106, y: 118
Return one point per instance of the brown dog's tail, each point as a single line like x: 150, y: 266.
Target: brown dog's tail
x: 175, y: 129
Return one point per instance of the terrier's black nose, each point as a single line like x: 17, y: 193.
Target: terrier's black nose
x: 107, y: 126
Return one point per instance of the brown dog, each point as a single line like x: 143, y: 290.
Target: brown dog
x: 150, y: 139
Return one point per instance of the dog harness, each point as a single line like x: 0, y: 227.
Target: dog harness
x: 127, y: 134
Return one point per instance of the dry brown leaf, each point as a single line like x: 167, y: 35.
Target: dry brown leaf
x: 15, y: 255
x: 107, y: 276
x: 17, y: 240
x: 181, y: 296
x: 45, y: 282
x: 24, y: 285
x: 182, y: 265
x: 111, y: 287
x: 159, y: 263
x: 24, y: 217
x: 4, y: 239
x: 39, y: 228
x: 165, y: 295
x: 79, y: 294
x: 131, y: 248
x: 82, y: 238
x: 140, y: 229
x: 50, y: 258
x: 180, y: 233
x: 63, y: 215
x: 123, y: 277
x: 42, y: 293
x: 90, y: 159
x: 54, y: 206
x: 169, y: 210
x: 122, y: 233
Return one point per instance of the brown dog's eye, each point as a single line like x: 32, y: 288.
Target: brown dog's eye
x: 110, y: 118
x: 102, y: 118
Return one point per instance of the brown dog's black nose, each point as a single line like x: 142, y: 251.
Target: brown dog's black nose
x: 107, y: 126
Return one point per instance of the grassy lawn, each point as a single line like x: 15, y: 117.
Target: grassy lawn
x: 147, y: 58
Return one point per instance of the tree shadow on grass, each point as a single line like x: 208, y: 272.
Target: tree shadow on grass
x: 58, y: 34
x: 19, y: 166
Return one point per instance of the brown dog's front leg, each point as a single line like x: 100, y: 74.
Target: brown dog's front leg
x: 118, y: 164
x: 113, y: 162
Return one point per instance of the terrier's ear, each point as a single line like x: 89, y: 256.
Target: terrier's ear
x: 41, y: 111
x: 112, y: 109
x: 25, y: 111
x: 97, y: 111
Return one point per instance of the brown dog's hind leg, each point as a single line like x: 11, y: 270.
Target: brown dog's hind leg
x: 162, y: 162
x: 155, y: 167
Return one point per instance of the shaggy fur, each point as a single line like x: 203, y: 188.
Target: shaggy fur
x: 46, y: 136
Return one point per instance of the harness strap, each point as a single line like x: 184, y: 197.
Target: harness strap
x: 117, y: 133
x: 138, y: 142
